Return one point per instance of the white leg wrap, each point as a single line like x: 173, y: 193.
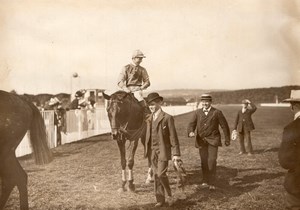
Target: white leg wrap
x: 123, y: 175
x: 130, y: 175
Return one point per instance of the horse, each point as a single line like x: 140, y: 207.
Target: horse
x: 17, y: 116
x: 127, y: 122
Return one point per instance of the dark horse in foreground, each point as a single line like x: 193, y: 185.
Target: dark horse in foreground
x: 127, y: 123
x: 17, y: 116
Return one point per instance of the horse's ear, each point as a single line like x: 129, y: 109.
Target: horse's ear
x: 107, y: 97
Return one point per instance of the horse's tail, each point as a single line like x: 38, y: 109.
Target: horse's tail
x: 38, y: 138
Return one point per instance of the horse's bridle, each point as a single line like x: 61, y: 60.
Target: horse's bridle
x: 122, y: 131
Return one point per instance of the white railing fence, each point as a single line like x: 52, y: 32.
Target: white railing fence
x: 82, y: 124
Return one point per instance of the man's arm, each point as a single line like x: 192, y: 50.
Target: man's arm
x: 236, y: 121
x: 146, y: 80
x: 122, y: 80
x: 192, y: 125
x: 253, y: 108
x: 173, y: 137
x: 224, y: 125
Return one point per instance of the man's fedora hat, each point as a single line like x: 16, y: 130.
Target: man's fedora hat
x: 206, y: 97
x: 138, y: 54
x: 295, y: 96
x: 80, y: 93
x: 153, y: 96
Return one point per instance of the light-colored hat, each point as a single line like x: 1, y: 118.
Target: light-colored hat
x: 54, y: 101
x: 206, y: 97
x: 295, y: 96
x: 138, y: 54
x: 245, y: 101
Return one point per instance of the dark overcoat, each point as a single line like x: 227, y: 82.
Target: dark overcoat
x: 168, y: 139
x: 289, y: 157
x: 244, y: 120
x: 207, y: 127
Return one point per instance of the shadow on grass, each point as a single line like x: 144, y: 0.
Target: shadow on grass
x: 266, y: 150
x: 228, y: 184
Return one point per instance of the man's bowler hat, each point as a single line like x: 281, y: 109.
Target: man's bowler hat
x: 153, y: 96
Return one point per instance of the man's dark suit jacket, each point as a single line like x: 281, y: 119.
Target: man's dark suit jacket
x: 208, y: 127
x: 244, y: 119
x: 168, y: 139
x: 289, y: 157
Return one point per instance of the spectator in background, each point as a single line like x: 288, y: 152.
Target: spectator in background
x: 206, y: 122
x: 79, y: 101
x: 59, y: 118
x: 289, y: 154
x: 92, y: 100
x: 244, y: 125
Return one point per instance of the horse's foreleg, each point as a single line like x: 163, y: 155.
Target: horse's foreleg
x: 121, y: 146
x: 132, y: 149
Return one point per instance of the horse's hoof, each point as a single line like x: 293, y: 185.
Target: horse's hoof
x: 121, y: 189
x: 149, y: 181
x: 131, y: 187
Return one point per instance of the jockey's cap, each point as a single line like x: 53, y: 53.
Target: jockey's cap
x: 138, y: 54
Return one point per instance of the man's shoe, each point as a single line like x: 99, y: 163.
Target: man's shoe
x: 211, y: 187
x: 159, y: 204
x: 204, y: 185
x: 171, y: 200
x: 250, y: 153
x: 241, y: 153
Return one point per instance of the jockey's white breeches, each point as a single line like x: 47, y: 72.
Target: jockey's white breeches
x: 137, y: 94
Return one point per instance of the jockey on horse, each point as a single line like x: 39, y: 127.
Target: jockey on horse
x: 134, y: 78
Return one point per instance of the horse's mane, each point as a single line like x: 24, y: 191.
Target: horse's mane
x: 121, y: 95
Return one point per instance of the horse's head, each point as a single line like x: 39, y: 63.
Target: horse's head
x: 118, y: 109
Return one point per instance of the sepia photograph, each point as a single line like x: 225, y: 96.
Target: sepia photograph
x: 148, y: 104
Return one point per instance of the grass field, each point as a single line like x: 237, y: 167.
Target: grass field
x: 86, y: 174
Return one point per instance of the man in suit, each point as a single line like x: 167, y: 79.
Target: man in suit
x: 244, y: 125
x: 163, y: 145
x: 289, y: 154
x: 206, y: 122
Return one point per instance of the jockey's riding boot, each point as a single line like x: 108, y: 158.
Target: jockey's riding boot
x: 146, y: 110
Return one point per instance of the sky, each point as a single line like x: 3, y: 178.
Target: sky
x: 190, y: 44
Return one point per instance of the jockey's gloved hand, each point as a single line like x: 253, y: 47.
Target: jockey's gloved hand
x: 126, y: 90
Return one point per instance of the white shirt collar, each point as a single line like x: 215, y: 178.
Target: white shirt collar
x: 155, y: 114
x: 297, y: 115
x: 134, y: 64
x: 207, y: 109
